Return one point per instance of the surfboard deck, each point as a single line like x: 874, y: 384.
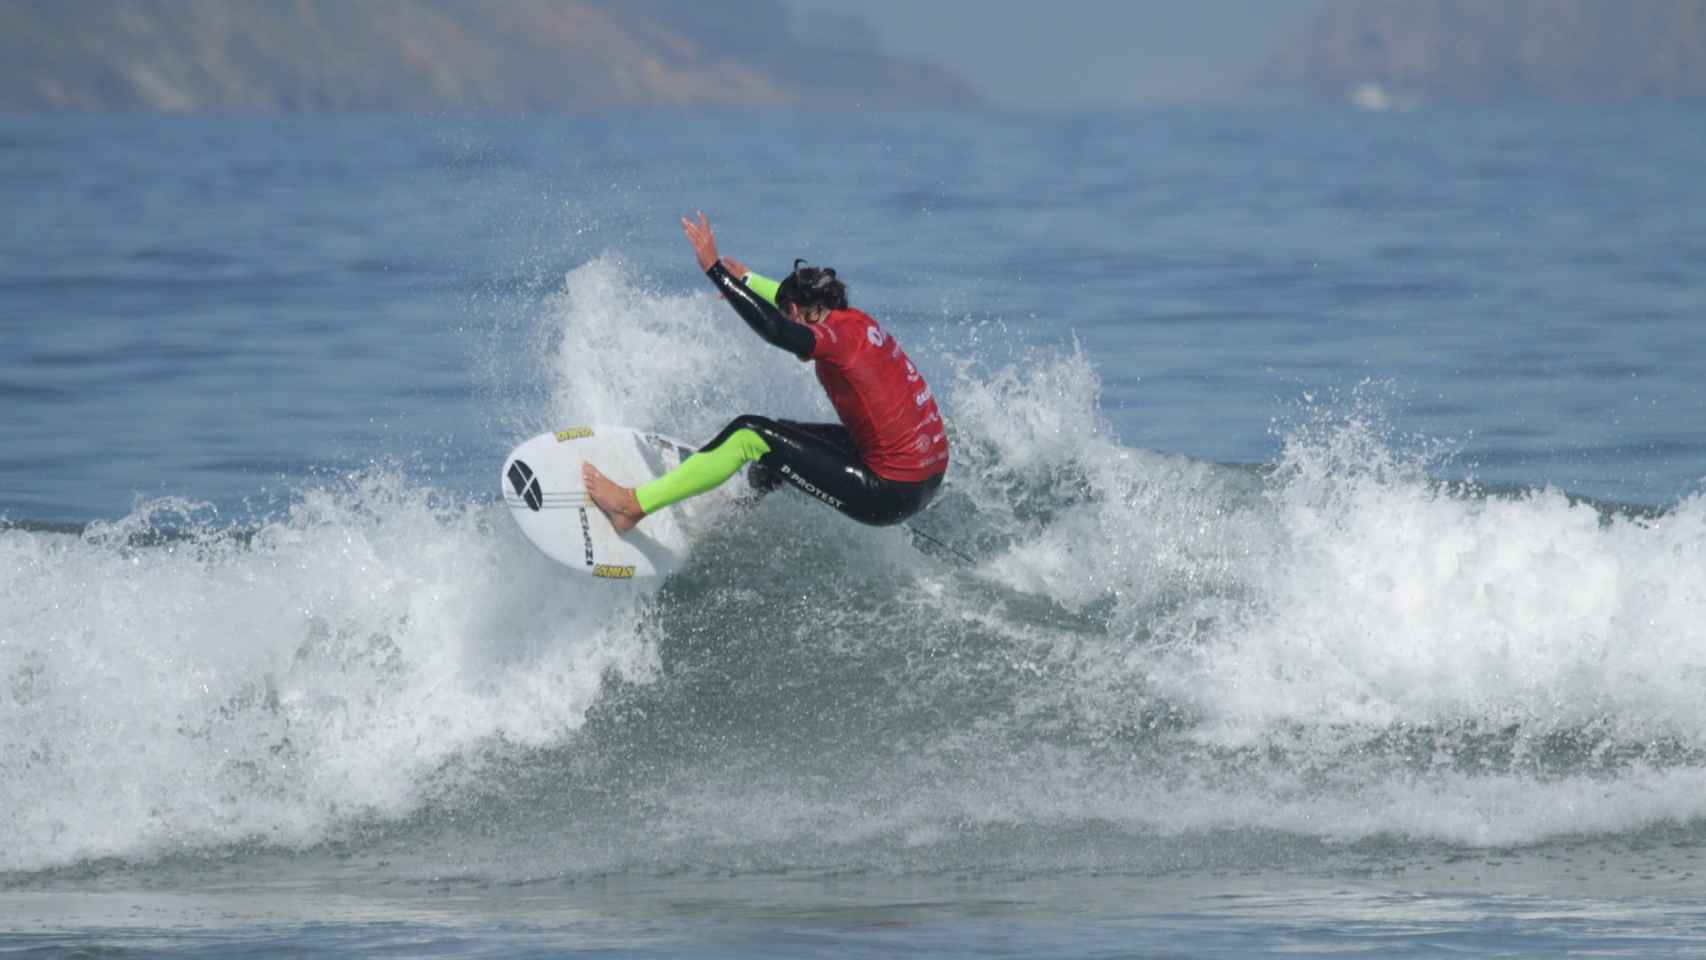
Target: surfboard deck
x: 542, y: 485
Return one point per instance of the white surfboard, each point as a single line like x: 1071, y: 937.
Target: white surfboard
x: 542, y: 485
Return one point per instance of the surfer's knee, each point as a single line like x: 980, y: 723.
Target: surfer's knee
x: 746, y: 433
x: 762, y: 479
x: 750, y: 422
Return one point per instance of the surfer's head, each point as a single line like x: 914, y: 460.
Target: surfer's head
x: 813, y: 290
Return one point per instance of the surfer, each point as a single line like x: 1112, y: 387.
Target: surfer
x: 880, y: 465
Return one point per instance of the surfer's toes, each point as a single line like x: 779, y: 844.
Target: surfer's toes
x: 598, y: 486
x: 618, y: 502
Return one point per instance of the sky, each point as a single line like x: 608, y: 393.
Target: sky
x: 1080, y: 53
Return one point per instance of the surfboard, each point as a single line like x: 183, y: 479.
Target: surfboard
x: 542, y: 485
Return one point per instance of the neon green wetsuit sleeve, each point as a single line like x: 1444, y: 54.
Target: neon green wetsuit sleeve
x: 763, y: 286
x: 705, y: 470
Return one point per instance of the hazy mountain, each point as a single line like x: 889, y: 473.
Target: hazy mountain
x: 1470, y: 50
x: 267, y: 55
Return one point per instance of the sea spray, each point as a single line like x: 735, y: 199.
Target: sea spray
x: 1153, y: 660
x: 680, y: 363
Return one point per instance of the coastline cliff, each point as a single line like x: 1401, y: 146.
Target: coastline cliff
x: 439, y: 55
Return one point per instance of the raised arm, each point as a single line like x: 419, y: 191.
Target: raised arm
x: 754, y: 306
x: 761, y: 316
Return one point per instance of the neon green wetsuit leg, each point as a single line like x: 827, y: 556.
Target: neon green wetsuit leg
x: 702, y: 471
x: 708, y: 469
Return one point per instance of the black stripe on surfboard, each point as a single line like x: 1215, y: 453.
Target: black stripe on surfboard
x: 547, y: 499
x: 516, y: 504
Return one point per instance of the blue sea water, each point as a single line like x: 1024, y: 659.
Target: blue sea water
x: 1332, y: 483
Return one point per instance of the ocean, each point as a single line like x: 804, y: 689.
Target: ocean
x: 1329, y: 486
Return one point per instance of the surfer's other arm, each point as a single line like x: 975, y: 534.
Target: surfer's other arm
x: 757, y: 310
x: 765, y: 287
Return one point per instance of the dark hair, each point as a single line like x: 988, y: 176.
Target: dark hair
x: 810, y: 287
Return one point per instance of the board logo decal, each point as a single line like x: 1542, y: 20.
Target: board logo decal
x: 809, y: 487
x: 526, y: 485
x: 573, y: 433
x: 613, y: 571
x: 586, y: 534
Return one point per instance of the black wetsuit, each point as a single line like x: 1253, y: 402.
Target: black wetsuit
x: 823, y: 460
x: 819, y: 459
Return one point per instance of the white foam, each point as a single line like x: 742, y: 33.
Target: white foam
x: 1089, y: 519
x: 1386, y: 600
x: 1342, y: 599
x: 208, y: 691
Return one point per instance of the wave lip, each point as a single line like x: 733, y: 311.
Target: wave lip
x: 1147, y: 651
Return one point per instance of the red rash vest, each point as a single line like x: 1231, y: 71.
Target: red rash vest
x: 880, y: 397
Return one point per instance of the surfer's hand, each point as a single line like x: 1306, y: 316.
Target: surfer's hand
x: 704, y: 241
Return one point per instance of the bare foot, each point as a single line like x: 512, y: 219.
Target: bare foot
x: 617, y: 502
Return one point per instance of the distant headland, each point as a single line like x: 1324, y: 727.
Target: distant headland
x: 1384, y: 53
x: 443, y: 55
